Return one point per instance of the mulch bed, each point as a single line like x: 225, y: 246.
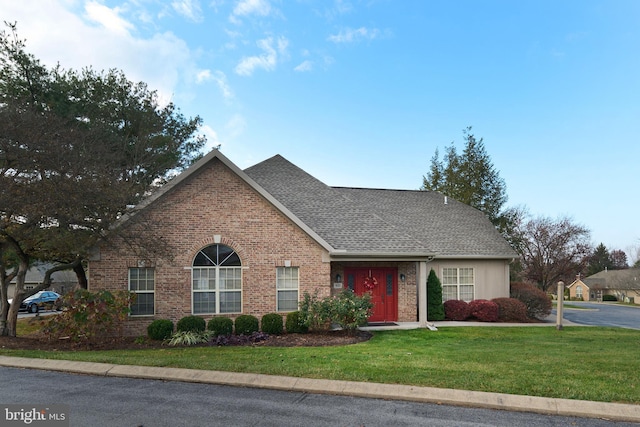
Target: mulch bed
x: 314, y: 339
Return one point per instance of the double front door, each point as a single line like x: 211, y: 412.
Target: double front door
x: 382, y: 284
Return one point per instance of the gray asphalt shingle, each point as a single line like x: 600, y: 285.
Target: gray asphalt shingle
x: 373, y: 221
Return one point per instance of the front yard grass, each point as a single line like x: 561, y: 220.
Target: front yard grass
x: 598, y: 364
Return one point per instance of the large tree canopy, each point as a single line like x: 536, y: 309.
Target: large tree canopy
x: 551, y: 249
x: 77, y: 150
x: 469, y: 177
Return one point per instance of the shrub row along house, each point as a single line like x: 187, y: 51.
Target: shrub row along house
x: 254, y: 241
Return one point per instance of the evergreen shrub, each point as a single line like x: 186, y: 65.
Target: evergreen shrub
x: 191, y: 324
x: 435, y: 308
x: 294, y: 324
x: 246, y: 324
x: 160, y: 329
x: 220, y: 326
x: 272, y: 324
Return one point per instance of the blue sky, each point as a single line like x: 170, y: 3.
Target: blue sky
x: 361, y: 93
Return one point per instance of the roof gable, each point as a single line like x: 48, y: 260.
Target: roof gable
x: 217, y: 155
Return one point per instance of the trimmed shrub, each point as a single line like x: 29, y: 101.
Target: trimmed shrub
x: 220, y: 326
x: 609, y: 298
x: 435, y: 309
x: 246, y: 324
x: 160, y: 329
x: 484, y: 310
x: 191, y: 324
x: 456, y: 310
x: 294, y: 323
x: 272, y: 324
x: 538, y: 303
x: 511, y: 310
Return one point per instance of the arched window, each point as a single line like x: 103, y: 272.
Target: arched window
x: 579, y: 291
x: 217, y: 281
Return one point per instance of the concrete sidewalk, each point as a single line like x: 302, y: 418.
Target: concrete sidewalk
x: 542, y: 405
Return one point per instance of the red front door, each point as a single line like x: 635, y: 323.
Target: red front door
x: 382, y: 284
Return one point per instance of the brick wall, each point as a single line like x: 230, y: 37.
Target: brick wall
x: 213, y: 202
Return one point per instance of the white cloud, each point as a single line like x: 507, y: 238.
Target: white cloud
x: 189, y: 9
x: 267, y: 60
x: 212, y: 138
x: 108, y: 18
x: 79, y: 35
x: 304, y: 66
x: 252, y: 7
x: 350, y: 35
x: 221, y: 80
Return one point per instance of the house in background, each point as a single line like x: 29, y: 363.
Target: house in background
x: 623, y: 284
x: 254, y: 241
x: 61, y: 281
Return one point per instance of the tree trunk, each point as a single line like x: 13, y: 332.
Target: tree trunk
x: 81, y: 275
x: 18, y: 296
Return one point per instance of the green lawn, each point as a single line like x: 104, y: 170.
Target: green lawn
x: 599, y: 364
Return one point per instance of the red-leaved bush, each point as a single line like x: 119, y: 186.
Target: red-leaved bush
x: 511, y: 310
x: 484, y: 310
x: 537, y: 302
x: 456, y: 310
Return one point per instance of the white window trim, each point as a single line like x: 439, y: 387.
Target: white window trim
x: 278, y: 290
x: 146, y: 291
x: 458, y: 284
x: 217, y: 291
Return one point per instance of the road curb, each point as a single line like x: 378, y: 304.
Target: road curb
x: 476, y: 399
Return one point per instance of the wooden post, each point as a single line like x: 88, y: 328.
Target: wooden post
x: 559, y: 305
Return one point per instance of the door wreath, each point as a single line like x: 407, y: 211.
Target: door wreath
x: 370, y: 283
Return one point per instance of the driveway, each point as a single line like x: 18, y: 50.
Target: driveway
x: 603, y: 314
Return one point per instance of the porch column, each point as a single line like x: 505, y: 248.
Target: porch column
x: 421, y: 279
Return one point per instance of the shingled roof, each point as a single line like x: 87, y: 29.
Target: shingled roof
x: 377, y: 221
x: 626, y: 279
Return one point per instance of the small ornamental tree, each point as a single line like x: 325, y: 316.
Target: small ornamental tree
x: 435, y: 308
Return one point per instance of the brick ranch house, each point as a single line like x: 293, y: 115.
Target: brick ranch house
x: 254, y: 241
x: 622, y: 284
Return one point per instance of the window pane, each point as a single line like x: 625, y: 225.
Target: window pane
x: 230, y: 302
x: 449, y: 276
x: 287, y: 278
x: 449, y: 292
x: 143, y: 305
x: 204, y: 279
x: 466, y: 292
x: 287, y: 300
x: 204, y: 302
x: 230, y: 278
x: 466, y: 276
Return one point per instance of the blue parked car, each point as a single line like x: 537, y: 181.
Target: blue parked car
x: 39, y: 300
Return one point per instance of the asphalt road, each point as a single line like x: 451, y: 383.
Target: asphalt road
x: 108, y: 402
x: 603, y: 314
